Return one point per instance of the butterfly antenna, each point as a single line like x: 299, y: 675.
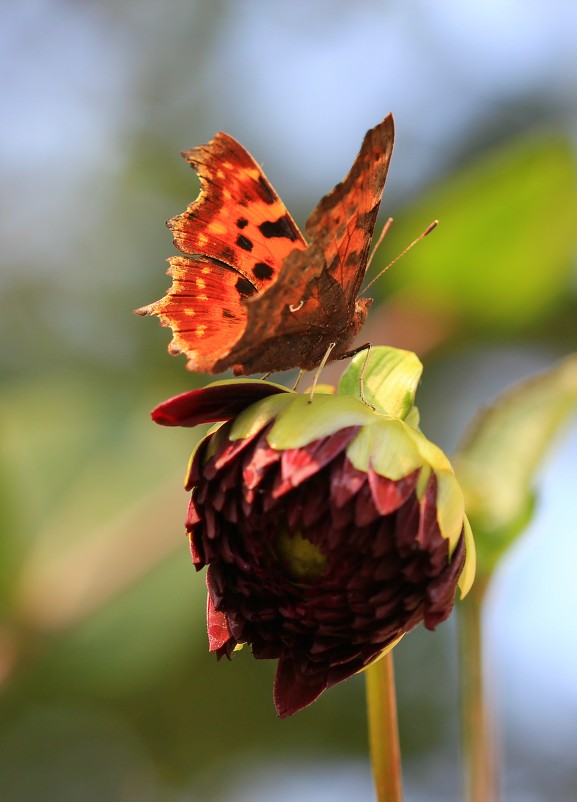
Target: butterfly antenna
x: 382, y: 235
x: 421, y: 236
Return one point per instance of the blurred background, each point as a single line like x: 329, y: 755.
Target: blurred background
x: 107, y: 690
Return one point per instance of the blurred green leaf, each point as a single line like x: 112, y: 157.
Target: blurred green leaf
x: 137, y: 641
x: 97, y: 506
x: 503, y: 449
x: 51, y: 750
x: 504, y: 250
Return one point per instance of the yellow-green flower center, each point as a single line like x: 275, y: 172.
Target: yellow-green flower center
x: 301, y: 559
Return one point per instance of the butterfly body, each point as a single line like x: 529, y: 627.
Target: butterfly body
x: 251, y: 293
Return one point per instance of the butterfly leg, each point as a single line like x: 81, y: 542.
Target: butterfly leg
x: 319, y: 369
x: 367, y: 348
x: 266, y: 375
x: 298, y: 381
x: 362, y: 377
x: 355, y: 351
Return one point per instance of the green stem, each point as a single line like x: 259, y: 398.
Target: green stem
x: 384, y: 730
x: 481, y: 776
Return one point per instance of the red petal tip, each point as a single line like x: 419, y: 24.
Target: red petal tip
x: 291, y: 691
x: 211, y: 404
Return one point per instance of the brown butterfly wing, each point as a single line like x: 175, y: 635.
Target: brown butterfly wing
x: 313, y: 300
x: 343, y: 223
x: 236, y: 235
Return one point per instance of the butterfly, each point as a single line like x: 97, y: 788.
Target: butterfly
x: 250, y: 292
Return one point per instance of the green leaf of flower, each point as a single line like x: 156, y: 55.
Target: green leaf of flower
x: 387, y: 448
x: 468, y: 574
x: 390, y: 379
x: 257, y: 416
x: 301, y: 421
x: 503, y: 449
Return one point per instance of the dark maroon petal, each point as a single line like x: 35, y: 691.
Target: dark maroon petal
x: 343, y: 517
x: 219, y: 637
x: 407, y: 526
x: 256, y: 464
x: 196, y: 551
x: 215, y: 584
x: 441, y: 592
x: 292, y: 690
x: 230, y: 451
x: 365, y: 509
x: 384, y: 542
x: 389, y: 495
x: 192, y: 517
x: 195, y: 538
x: 211, y: 404
x: 298, y: 464
x: 194, y: 473
x: 346, y: 481
x: 210, y: 523
x: 314, y: 508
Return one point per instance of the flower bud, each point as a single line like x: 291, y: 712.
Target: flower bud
x: 329, y: 530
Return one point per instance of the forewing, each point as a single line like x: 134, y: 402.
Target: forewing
x: 236, y: 236
x: 237, y: 218
x: 343, y: 222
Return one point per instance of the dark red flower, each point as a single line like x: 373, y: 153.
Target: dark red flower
x: 329, y: 530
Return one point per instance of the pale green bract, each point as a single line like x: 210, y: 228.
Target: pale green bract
x: 390, y: 379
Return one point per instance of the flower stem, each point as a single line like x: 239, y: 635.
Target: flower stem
x: 384, y: 730
x: 481, y: 776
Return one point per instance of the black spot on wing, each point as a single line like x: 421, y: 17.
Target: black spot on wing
x: 367, y: 219
x: 352, y: 259
x: 262, y: 271
x: 265, y: 192
x: 229, y: 315
x: 242, y: 222
x: 245, y: 287
x: 244, y: 243
x: 283, y: 227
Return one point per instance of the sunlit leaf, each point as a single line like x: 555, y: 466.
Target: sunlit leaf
x: 390, y: 379
x: 499, y: 456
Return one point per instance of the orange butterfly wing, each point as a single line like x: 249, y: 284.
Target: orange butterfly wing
x: 204, y: 310
x: 235, y: 235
